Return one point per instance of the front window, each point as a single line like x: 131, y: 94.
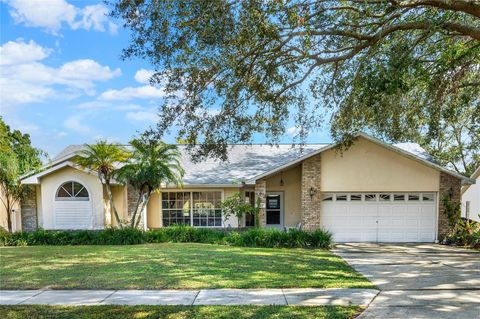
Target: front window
x: 200, y: 209
x: 72, y: 191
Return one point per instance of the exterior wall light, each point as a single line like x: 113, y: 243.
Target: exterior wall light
x: 312, y: 192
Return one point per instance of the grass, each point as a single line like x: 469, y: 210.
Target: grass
x: 174, y: 266
x: 177, y: 312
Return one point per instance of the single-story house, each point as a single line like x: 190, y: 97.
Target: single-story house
x: 371, y: 192
x: 471, y: 198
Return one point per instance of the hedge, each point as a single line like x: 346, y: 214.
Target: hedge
x: 257, y: 237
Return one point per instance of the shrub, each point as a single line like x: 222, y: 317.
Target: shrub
x: 465, y: 233
x: 256, y: 237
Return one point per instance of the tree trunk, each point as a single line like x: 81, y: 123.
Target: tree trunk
x: 112, y: 204
x: 134, y: 213
x: 9, y: 213
x: 144, y: 204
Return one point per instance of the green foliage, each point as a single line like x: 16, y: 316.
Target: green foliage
x: 103, y: 158
x: 236, y: 205
x: 152, y: 164
x: 404, y: 70
x: 17, y: 157
x: 257, y: 237
x: 465, y: 233
x: 452, y: 209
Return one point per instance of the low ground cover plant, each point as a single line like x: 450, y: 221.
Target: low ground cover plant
x: 256, y: 237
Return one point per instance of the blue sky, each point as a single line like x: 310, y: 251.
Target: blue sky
x: 62, y: 79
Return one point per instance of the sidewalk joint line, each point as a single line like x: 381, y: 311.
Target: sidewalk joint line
x: 39, y: 292
x: 195, y: 299
x: 107, y: 297
x: 284, y: 297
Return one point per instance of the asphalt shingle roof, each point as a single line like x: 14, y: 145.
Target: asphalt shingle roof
x: 245, y: 161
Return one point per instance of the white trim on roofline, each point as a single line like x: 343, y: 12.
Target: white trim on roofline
x: 465, y: 180
x: 35, y: 178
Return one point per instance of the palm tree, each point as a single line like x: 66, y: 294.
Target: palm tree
x: 152, y: 164
x: 104, y: 158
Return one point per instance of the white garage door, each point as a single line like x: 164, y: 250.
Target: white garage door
x: 73, y: 208
x: 379, y: 217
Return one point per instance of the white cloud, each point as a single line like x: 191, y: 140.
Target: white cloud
x: 18, y: 52
x: 142, y: 116
x: 28, y: 80
x: 75, y: 123
x: 293, y: 131
x: 51, y: 15
x: 143, y: 76
x: 128, y: 93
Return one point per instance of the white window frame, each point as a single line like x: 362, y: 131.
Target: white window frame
x: 74, y: 197
x: 222, y: 192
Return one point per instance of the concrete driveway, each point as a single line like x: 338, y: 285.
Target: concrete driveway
x: 418, y: 280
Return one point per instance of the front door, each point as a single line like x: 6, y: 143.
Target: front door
x: 274, y: 209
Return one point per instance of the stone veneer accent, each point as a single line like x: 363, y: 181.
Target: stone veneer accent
x: 132, y: 197
x: 28, y: 209
x: 311, y: 177
x: 261, y: 193
x: 448, y: 183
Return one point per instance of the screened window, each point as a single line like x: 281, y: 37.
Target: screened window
x: 176, y: 208
x: 384, y: 197
x: 413, y: 197
x: 327, y: 197
x: 356, y: 197
x: 207, y: 211
x: 192, y: 208
x: 72, y: 191
x: 427, y: 197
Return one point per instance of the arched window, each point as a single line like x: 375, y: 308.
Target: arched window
x: 72, y: 191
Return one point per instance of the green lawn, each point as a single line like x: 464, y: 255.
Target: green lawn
x: 176, y: 266
x: 177, y: 312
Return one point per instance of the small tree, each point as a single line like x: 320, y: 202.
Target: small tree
x: 236, y: 206
x: 17, y: 157
x: 104, y: 158
x: 151, y: 164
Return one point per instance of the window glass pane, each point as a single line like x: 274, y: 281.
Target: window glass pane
x: 413, y: 197
x: 384, y: 197
x: 176, y: 210
x: 206, y: 209
x: 371, y: 197
x: 327, y: 197
x: 62, y: 192
x: 355, y: 197
x: 427, y: 197
x: 398, y: 197
x: 72, y: 191
x: 341, y: 197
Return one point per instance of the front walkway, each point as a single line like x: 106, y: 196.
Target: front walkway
x: 418, y: 280
x: 293, y: 296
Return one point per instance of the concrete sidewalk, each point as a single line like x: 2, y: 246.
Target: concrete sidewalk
x: 292, y: 296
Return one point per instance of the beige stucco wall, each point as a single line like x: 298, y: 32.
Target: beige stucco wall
x: 369, y: 167
x: 16, y: 217
x: 50, y: 184
x: 119, y: 194
x: 291, y: 193
x: 154, y: 213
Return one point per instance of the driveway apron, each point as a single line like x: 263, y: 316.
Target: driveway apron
x: 418, y: 280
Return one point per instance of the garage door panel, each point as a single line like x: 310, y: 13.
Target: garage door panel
x: 383, y: 221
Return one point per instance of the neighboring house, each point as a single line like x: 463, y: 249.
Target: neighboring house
x: 372, y: 192
x: 471, y: 198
